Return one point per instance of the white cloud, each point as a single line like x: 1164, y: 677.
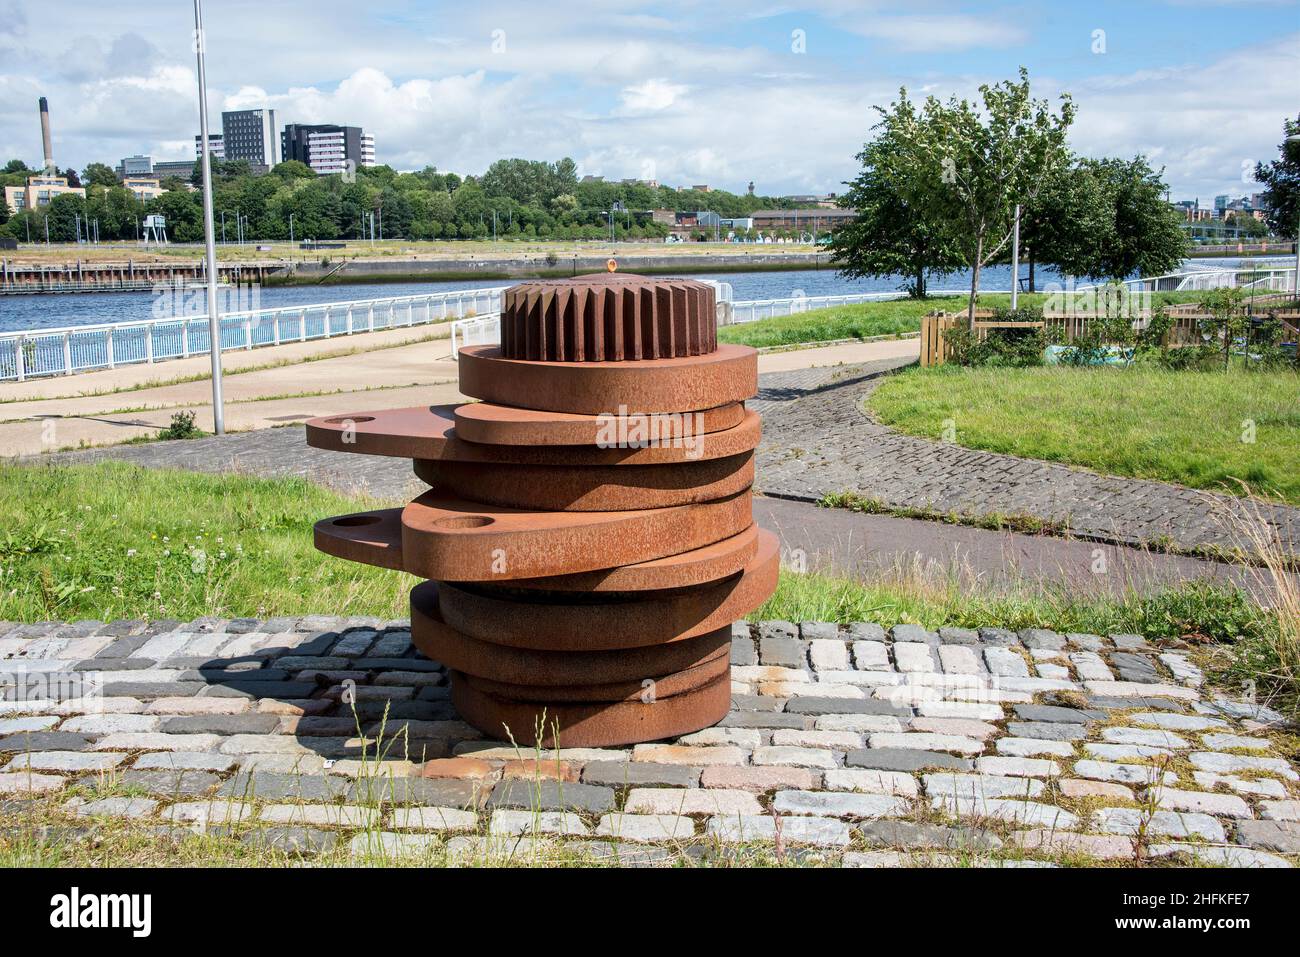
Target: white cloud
x: 695, y: 93
x: 940, y: 33
x: 1202, y: 121
x: 652, y: 95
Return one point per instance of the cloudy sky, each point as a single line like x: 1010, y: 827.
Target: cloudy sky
x: 684, y: 91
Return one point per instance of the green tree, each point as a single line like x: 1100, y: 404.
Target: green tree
x: 896, y: 230
x: 983, y: 159
x: 1146, y: 234
x: 293, y: 169
x: 1281, y: 179
x: 1227, y: 319
x: 62, y: 213
x: 1066, y: 223
x: 1104, y: 219
x: 99, y: 174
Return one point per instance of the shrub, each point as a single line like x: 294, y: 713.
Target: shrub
x: 1016, y: 348
x: 182, y: 427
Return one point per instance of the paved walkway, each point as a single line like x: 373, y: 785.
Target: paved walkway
x: 864, y: 747
x: 821, y: 442
x: 48, y: 418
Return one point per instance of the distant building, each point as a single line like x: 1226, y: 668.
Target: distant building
x: 216, y: 145
x: 251, y: 135
x: 809, y: 199
x: 1193, y: 213
x: 1221, y: 202
x: 39, y: 191
x: 328, y: 148
x: 702, y: 188
x: 144, y: 188
x: 182, y: 168
x: 135, y: 166
x: 817, y: 220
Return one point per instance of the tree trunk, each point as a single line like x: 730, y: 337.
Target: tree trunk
x: 920, y: 282
x: 1031, y: 273
x: 974, y: 284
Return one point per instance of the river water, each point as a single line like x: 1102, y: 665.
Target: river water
x: 22, y: 313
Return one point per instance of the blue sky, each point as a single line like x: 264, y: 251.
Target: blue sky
x: 682, y: 91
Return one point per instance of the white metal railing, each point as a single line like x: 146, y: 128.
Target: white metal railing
x: 1274, y: 278
x: 63, y: 351
x: 752, y: 310
x: 722, y: 290
x: 479, y: 331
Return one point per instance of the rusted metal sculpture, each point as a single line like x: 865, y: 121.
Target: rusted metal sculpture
x: 588, y: 531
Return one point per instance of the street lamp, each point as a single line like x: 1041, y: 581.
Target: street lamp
x: 1295, y: 283
x: 209, y: 232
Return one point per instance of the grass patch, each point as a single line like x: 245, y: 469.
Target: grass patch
x: 992, y: 521
x: 112, y: 540
x: 1205, y: 430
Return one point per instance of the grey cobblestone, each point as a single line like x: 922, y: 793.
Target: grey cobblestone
x: 253, y: 728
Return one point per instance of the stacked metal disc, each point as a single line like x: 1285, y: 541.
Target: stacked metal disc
x: 588, y: 534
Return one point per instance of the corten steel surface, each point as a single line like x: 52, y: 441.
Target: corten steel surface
x: 646, y: 386
x: 568, y: 621
x: 588, y: 533
x: 592, y: 488
x: 429, y: 433
x: 610, y: 317
x: 593, y: 724
x: 503, y: 425
x: 457, y: 540
x: 375, y: 538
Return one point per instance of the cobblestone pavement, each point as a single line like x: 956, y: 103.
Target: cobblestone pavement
x: 821, y: 442
x: 855, y: 746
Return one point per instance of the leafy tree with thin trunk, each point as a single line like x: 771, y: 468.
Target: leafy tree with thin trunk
x: 983, y: 159
x: 895, y: 232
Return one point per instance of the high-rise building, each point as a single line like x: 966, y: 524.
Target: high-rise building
x: 251, y: 135
x: 216, y: 145
x: 328, y: 148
